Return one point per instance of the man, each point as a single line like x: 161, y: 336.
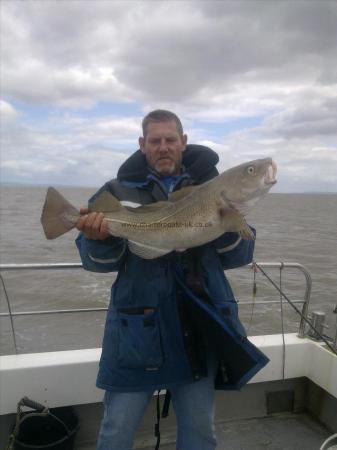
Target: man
x: 151, y: 341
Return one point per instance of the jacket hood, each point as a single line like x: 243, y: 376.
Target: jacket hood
x: 198, y: 162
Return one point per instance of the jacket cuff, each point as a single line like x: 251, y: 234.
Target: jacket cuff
x: 227, y: 242
x: 233, y: 251
x: 99, y: 255
x: 108, y: 251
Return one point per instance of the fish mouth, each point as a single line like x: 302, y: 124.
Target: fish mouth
x: 270, y: 175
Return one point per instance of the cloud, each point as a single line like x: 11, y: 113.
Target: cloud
x: 311, y: 112
x: 83, y: 151
x: 118, y: 50
x: 303, y: 165
x: 72, y: 64
x: 251, y: 78
x: 7, y: 112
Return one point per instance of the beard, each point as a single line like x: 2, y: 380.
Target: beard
x: 169, y: 168
x: 165, y: 170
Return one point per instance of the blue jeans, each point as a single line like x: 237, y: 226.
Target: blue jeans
x: 194, y: 408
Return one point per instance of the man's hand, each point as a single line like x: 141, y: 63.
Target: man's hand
x: 93, y: 225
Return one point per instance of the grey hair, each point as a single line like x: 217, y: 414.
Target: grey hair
x: 161, y: 115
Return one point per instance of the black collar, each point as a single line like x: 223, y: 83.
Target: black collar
x: 199, y: 162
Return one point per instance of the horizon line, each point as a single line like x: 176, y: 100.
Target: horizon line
x: 45, y: 185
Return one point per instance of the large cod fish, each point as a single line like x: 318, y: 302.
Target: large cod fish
x: 192, y: 216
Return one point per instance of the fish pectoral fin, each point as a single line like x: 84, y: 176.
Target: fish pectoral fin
x: 246, y: 233
x: 181, y: 193
x: 232, y: 220
x: 147, y: 251
x: 105, y: 202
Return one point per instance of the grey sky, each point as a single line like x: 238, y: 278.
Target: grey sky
x: 247, y: 78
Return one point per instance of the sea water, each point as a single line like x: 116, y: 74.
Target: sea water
x: 299, y: 228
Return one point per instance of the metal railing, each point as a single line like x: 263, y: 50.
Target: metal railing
x: 307, y: 294
x: 72, y: 266
x: 46, y: 266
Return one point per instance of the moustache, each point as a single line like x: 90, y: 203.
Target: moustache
x: 164, y: 157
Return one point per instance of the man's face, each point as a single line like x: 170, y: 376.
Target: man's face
x: 163, y: 147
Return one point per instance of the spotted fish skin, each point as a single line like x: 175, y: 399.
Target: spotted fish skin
x: 192, y: 216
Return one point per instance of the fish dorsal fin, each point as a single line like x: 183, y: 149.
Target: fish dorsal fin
x: 105, y: 202
x: 182, y: 193
x: 146, y: 251
x: 151, y: 207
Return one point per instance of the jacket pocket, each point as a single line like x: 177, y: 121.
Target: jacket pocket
x: 139, y: 340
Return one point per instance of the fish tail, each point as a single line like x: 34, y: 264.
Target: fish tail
x: 58, y: 215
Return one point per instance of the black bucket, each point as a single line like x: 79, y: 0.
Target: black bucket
x: 50, y: 429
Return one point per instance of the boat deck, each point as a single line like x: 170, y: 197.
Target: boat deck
x: 278, y: 432
x: 281, y: 415
x: 278, y: 415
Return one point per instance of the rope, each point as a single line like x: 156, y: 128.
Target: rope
x: 15, y: 431
x: 254, y: 268
x: 10, y: 313
x: 282, y: 324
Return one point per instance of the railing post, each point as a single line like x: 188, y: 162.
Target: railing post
x: 335, y: 339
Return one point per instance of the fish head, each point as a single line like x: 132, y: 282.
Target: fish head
x: 245, y: 184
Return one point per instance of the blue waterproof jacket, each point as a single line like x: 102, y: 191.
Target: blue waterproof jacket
x: 166, y: 347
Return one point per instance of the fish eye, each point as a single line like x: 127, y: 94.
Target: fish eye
x: 250, y: 170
